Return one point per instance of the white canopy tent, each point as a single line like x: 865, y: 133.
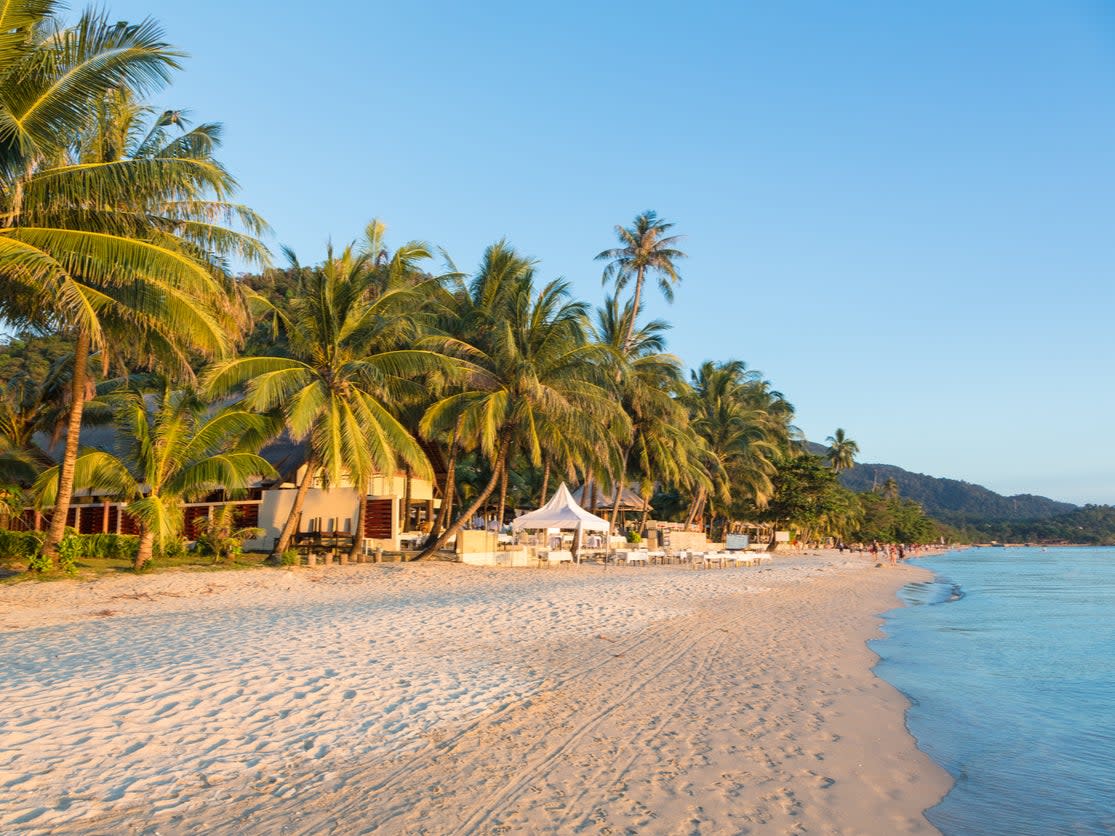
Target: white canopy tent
x: 562, y: 511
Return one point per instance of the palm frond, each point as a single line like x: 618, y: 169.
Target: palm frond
x: 96, y: 471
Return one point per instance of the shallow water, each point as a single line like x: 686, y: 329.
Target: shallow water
x: 1009, y: 660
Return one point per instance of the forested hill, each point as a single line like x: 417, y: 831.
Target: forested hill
x: 951, y: 500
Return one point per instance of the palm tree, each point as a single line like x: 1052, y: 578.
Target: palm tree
x: 532, y: 373
x: 645, y: 249
x: 171, y: 449
x: 745, y: 427
x: 663, y: 446
x: 116, y: 245
x: 842, y: 451
x: 403, y: 268
x: 347, y: 366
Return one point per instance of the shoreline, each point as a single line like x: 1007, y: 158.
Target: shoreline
x: 440, y: 698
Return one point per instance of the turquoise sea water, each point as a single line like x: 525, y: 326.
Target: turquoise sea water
x: 1009, y: 660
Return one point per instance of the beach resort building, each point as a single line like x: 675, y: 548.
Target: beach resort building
x: 398, y: 507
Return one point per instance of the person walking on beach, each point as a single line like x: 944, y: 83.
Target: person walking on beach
x: 893, y: 555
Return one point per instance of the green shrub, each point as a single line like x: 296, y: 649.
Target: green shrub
x: 27, y: 545
x: 22, y: 545
x: 289, y: 558
x: 174, y: 547
x: 110, y: 546
x: 38, y: 563
x: 634, y: 537
x: 70, y: 549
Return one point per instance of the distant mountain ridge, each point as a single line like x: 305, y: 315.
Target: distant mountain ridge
x: 951, y: 500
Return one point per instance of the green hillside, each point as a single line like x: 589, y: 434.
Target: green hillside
x: 950, y: 500
x: 983, y: 515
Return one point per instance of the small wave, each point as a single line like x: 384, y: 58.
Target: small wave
x: 930, y: 593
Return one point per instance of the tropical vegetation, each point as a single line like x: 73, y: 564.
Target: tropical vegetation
x: 172, y: 447
x: 114, y: 227
x: 118, y: 235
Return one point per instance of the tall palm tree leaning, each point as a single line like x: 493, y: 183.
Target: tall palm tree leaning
x: 531, y: 370
x: 176, y: 449
x: 842, y: 451
x: 112, y: 249
x: 346, y: 365
x: 645, y: 249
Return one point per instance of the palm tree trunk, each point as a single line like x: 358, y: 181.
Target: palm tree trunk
x: 452, y: 502
x: 146, y: 548
x: 646, y: 514
x: 634, y: 308
x: 69, y: 456
x: 545, y: 482
x: 449, y: 487
x: 619, y: 491
x: 502, y: 497
x: 291, y: 524
x: 698, y: 501
x: 588, y: 489
x: 447, y: 494
x: 481, y: 498
x: 404, y: 518
x: 358, y: 525
x: 615, y: 508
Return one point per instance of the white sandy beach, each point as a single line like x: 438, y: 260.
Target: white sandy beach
x: 439, y: 699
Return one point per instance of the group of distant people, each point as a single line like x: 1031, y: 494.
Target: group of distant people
x: 893, y: 552
x: 896, y: 551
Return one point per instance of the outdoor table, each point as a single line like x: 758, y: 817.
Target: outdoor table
x: 630, y: 556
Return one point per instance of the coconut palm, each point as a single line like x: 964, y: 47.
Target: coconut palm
x: 405, y: 268
x: 663, y: 446
x: 841, y: 452
x: 745, y: 427
x: 645, y: 249
x: 171, y: 447
x: 345, y: 369
x: 532, y: 371
x: 115, y: 244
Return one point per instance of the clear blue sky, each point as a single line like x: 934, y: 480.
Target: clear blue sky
x: 901, y: 213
